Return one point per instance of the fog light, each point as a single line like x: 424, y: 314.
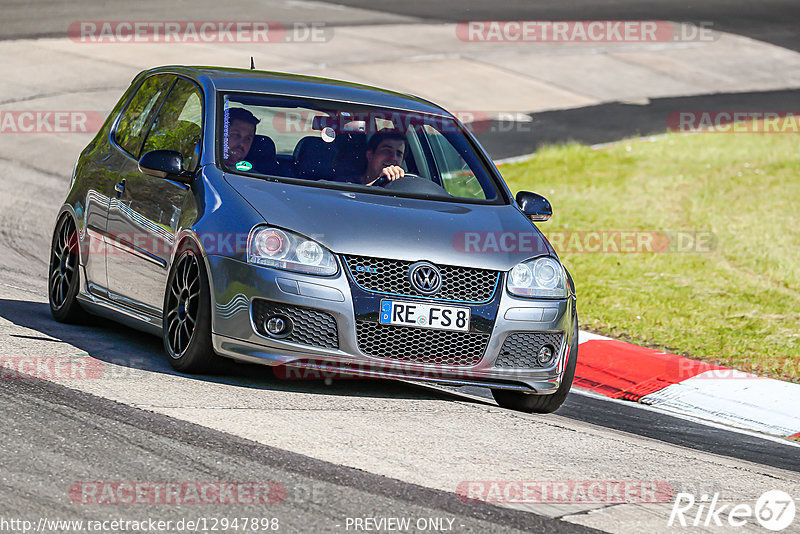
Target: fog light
x: 545, y: 355
x: 278, y: 325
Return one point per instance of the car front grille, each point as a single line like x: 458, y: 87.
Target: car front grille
x: 421, y: 345
x: 309, y: 326
x: 391, y: 276
x: 519, y: 350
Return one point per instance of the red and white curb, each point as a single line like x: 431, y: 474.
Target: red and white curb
x: 687, y: 387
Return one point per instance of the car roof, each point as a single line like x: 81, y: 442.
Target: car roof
x: 223, y: 79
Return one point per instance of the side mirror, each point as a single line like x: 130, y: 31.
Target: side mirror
x: 165, y: 164
x: 534, y: 206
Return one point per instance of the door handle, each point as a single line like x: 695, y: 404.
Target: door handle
x: 120, y: 188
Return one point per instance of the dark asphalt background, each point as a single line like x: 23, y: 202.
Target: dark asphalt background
x: 605, y: 123
x: 773, y: 21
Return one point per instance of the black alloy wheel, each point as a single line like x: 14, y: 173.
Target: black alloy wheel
x: 63, y: 280
x: 183, y: 302
x: 187, y: 315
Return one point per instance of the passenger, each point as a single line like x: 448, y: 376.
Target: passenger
x: 384, y: 153
x: 241, y: 132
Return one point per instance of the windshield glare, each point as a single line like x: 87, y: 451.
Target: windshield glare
x: 323, y: 142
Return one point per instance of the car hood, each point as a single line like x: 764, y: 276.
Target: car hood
x: 350, y: 222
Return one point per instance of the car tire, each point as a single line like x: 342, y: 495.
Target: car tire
x: 63, y: 278
x: 187, y: 314
x: 525, y: 402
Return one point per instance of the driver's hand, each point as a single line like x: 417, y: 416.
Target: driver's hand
x: 393, y: 172
x: 390, y: 173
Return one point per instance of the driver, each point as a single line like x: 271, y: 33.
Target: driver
x: 241, y: 132
x: 385, y: 151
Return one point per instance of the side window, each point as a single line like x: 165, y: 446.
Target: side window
x: 179, y: 123
x: 130, y: 130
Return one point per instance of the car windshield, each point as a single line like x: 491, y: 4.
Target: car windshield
x: 320, y: 143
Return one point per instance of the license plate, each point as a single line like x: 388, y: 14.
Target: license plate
x: 425, y: 315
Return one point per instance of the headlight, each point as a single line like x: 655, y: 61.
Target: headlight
x: 274, y: 247
x: 541, y: 277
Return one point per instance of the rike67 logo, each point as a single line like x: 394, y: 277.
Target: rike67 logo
x: 774, y: 510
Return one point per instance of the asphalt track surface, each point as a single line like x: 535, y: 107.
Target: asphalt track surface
x: 618, y: 415
x: 89, y: 439
x: 54, y: 435
x: 773, y: 21
x: 590, y: 409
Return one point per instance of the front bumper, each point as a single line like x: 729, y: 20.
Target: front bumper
x: 235, y: 284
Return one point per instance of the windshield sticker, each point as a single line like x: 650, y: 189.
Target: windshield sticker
x: 328, y: 134
x: 244, y: 166
x: 225, y: 125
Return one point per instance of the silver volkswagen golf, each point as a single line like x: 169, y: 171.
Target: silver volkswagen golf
x: 314, y: 224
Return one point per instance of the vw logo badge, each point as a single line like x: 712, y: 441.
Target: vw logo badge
x: 425, y: 278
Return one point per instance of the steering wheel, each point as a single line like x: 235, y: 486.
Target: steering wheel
x: 381, y: 182
x: 412, y: 183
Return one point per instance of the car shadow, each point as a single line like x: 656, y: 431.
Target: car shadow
x: 117, y: 344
